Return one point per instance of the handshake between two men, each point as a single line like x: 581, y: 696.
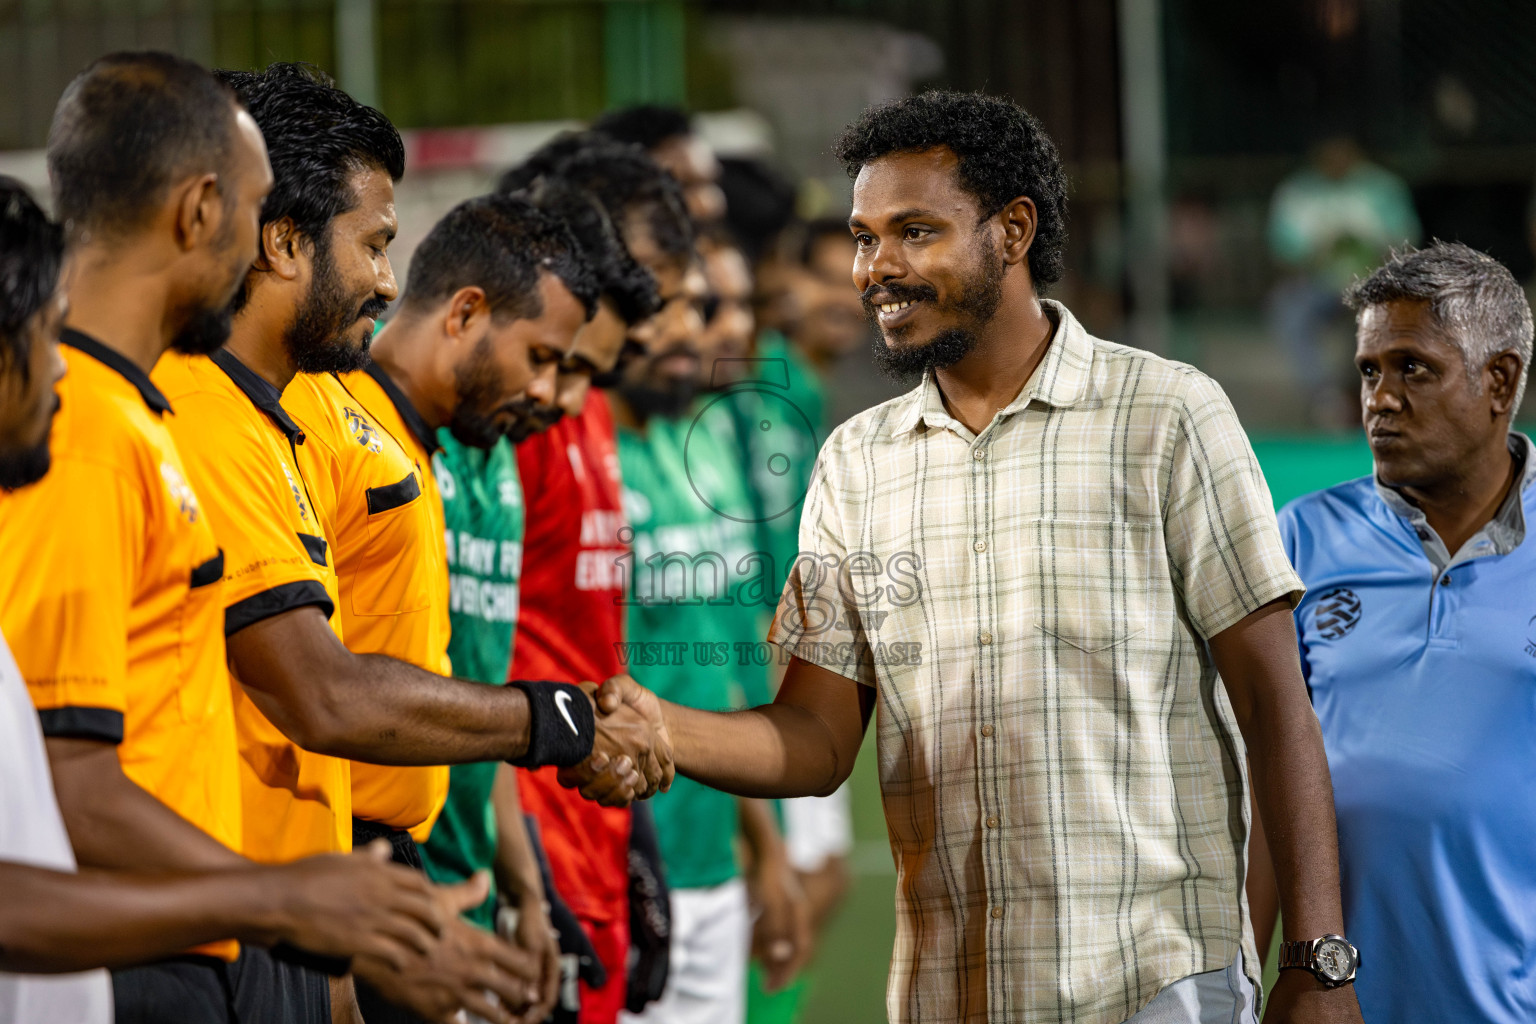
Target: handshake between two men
x: 631, y: 753
x: 802, y: 744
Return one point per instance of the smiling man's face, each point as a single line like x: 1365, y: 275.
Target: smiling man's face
x: 351, y: 282
x: 928, y: 262
x: 1426, y: 418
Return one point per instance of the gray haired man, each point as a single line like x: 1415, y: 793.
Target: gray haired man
x: 1417, y: 636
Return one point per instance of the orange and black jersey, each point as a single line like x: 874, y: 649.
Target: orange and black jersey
x: 241, y: 450
x: 111, y: 594
x: 380, y: 506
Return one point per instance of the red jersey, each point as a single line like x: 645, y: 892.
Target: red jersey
x: 570, y: 620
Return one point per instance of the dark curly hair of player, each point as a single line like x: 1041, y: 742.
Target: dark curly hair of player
x: 575, y: 169
x: 318, y: 137
x: 618, y: 175
x: 500, y: 244
x: 620, y: 279
x: 647, y: 125
x: 31, y: 254
x: 1004, y: 153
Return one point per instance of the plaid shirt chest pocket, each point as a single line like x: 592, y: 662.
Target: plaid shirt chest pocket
x: 1088, y: 598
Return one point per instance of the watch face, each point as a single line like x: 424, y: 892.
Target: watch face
x: 1334, y: 959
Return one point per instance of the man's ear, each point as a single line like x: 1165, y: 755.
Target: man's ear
x: 464, y: 312
x: 199, y: 211
x: 282, y: 249
x: 1503, y: 375
x: 1019, y: 219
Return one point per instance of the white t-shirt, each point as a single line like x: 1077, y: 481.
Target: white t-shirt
x: 32, y: 832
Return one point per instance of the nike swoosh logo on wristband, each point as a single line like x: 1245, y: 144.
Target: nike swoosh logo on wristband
x: 562, y: 698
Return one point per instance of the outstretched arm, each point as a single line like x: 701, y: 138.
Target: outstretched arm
x: 803, y: 744
x: 377, y: 709
x: 52, y: 921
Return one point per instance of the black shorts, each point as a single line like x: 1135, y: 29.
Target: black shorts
x: 267, y: 988
x: 376, y: 1009
x: 177, y: 990
x: 403, y: 849
x: 255, y: 989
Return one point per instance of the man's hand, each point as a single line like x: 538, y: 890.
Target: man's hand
x: 1299, y: 998
x: 781, y: 935
x: 632, y: 752
x: 467, y: 968
x: 353, y: 905
x: 535, y: 936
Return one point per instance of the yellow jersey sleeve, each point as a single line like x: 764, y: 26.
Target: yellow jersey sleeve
x: 73, y: 542
x: 275, y: 553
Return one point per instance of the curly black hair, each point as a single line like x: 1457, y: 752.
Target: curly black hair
x: 622, y: 180
x: 31, y: 253
x: 498, y: 243
x: 648, y: 125
x: 317, y: 137
x: 1004, y: 153
x: 618, y: 175
x: 125, y: 129
x: 620, y: 279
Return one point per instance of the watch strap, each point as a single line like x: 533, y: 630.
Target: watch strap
x: 1297, y: 954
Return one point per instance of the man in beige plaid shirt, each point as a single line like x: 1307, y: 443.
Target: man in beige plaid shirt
x: 1034, y: 565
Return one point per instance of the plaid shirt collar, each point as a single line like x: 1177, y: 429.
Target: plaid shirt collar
x: 1061, y: 380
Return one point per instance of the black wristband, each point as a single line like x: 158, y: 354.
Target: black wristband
x: 560, y: 725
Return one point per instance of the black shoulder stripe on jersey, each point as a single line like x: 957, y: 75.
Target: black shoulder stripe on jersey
x: 113, y: 359
x: 414, y: 422
x: 279, y: 599
x: 210, y: 571
x: 259, y: 391
x: 82, y: 723
x: 382, y: 499
x: 315, y: 546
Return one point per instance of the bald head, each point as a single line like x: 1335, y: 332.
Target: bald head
x: 128, y: 128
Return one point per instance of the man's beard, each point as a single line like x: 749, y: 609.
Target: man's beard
x: 609, y: 380
x: 532, y: 418
x: 313, y: 340
x: 650, y: 394
x: 667, y: 401
x: 476, y: 385
x: 27, y: 465
x: 978, y: 303
x: 204, y: 331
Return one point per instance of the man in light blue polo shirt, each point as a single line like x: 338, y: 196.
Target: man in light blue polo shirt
x: 1418, y: 641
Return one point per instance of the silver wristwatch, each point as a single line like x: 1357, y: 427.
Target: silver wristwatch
x: 1331, y: 959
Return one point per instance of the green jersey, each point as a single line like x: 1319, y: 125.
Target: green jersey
x: 692, y: 638
x: 779, y: 421
x: 483, y: 512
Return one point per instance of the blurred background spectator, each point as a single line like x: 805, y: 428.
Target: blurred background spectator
x: 1329, y: 222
